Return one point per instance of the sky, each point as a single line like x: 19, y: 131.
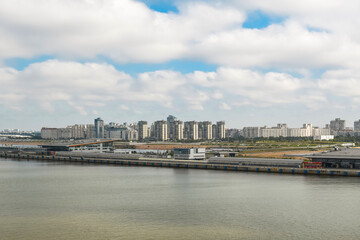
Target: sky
x: 250, y: 63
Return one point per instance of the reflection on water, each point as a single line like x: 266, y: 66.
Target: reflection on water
x: 40, y: 200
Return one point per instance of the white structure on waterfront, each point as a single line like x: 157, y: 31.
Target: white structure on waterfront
x: 189, y: 153
x: 324, y: 137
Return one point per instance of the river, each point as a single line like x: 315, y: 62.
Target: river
x: 44, y: 200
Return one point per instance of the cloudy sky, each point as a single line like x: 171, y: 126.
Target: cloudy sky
x: 248, y: 62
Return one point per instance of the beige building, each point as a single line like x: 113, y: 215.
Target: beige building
x: 357, y: 126
x: 160, y: 130
x: 143, y: 130
x: 191, y: 130
x: 337, y: 125
x: 220, y: 129
x: 56, y: 133
x: 214, y: 131
x: 130, y: 135
x: 251, y: 132
x: 49, y: 133
x: 281, y: 130
x: 177, y: 130
x: 205, y: 130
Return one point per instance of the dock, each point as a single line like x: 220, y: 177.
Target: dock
x: 170, y: 163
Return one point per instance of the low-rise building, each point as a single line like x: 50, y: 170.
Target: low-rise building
x: 189, y: 153
x: 324, y: 137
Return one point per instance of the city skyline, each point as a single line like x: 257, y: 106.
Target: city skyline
x: 349, y: 124
x: 174, y: 129
x: 250, y: 61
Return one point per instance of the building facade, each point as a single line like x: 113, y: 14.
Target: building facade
x: 177, y: 131
x: 191, y: 130
x: 160, y: 130
x: 357, y: 126
x: 220, y: 129
x: 143, y: 130
x: 189, y: 153
x: 205, y: 130
x: 99, y: 128
x: 282, y: 130
x: 170, y: 120
x: 337, y: 125
x: 251, y: 132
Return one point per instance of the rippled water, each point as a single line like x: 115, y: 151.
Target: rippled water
x: 41, y: 200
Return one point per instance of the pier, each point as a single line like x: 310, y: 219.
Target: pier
x: 169, y: 163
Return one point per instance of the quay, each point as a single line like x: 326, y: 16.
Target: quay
x: 170, y: 163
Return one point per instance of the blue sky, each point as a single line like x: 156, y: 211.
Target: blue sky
x: 246, y: 62
x: 164, y: 6
x: 258, y: 19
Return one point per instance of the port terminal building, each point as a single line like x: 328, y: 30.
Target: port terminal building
x: 189, y: 153
x: 338, y: 158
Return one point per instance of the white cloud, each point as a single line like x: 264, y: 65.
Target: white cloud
x: 128, y: 31
x: 58, y: 87
x: 225, y: 106
x: 89, y: 87
x: 343, y: 83
x: 124, y: 107
x: 82, y: 86
x: 269, y: 88
x: 288, y: 46
x: 253, y: 63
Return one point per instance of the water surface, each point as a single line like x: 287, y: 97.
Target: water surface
x: 42, y: 200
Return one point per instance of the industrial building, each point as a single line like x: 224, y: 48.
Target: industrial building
x: 324, y: 137
x: 267, y: 162
x: 338, y: 158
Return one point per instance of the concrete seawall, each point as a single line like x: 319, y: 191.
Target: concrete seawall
x: 148, y: 162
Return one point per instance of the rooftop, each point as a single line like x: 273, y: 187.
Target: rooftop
x: 350, y: 153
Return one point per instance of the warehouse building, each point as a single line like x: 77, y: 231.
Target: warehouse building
x: 338, y: 158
